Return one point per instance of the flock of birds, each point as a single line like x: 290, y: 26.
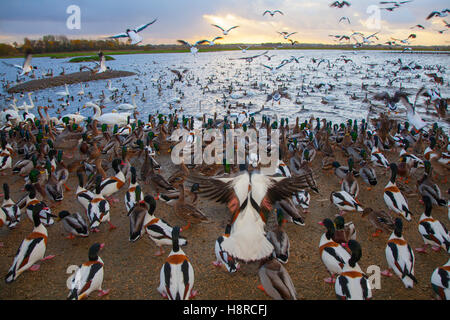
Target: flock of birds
x: 48, y: 151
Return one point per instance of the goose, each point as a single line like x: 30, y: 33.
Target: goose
x: 177, y: 273
x: 433, y: 232
x: 352, y: 283
x: 132, y: 34
x: 65, y: 93
x: 400, y: 256
x: 225, y: 31
x: 275, y: 281
x: 31, y: 250
x: 89, y: 276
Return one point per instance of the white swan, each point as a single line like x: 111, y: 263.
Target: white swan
x: 112, y: 89
x: 127, y: 106
x: 13, y: 113
x: 81, y: 92
x: 109, y: 118
x: 64, y: 93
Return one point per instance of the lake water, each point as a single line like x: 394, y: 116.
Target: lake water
x: 206, y: 88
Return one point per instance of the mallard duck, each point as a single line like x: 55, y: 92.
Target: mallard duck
x: 23, y: 167
x: 427, y: 187
x: 73, y: 224
x: 350, y: 184
x: 381, y: 220
x: 31, y: 250
x: 433, y: 232
x: 177, y: 273
x: 188, y: 211
x: 393, y: 198
x: 333, y: 255
x: 138, y: 215
x: 89, y: 276
x: 5, y: 156
x: 400, y: 256
x: 344, y: 231
x: 170, y: 198
x: 157, y: 181
x: 10, y: 209
x: 440, y: 281
x: 368, y: 174
x: 98, y: 208
x: 275, y: 281
x: 440, y: 169
x: 340, y: 171
x: 352, y: 283
x: 158, y: 229
x: 53, y: 187
x: 180, y: 175
x: 345, y: 202
x: 404, y: 170
x: 279, y: 239
x: 222, y: 257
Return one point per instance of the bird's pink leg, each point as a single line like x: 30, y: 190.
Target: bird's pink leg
x: 103, y: 292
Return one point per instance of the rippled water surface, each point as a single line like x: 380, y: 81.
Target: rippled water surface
x: 215, y: 81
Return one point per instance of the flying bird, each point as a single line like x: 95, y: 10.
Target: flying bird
x: 344, y: 19
x: 293, y: 42
x: 193, y: 47
x: 418, y: 26
x: 179, y: 74
x: 441, y: 14
x: 338, y: 4
x: 225, y: 32
x: 244, y: 50
x: 26, y: 67
x: 286, y: 34
x: 397, y: 4
x: 272, y: 13
x: 250, y: 59
x: 211, y: 43
x: 133, y: 35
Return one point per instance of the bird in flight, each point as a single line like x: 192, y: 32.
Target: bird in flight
x: 397, y: 4
x: 250, y: 59
x: 338, y: 4
x: 272, y: 13
x: 26, y: 67
x: 225, y: 32
x: 286, y: 34
x: 211, y: 43
x: 418, y: 26
x: 244, y: 50
x: 293, y: 42
x: 133, y: 35
x: 344, y: 19
x: 193, y: 47
x: 179, y: 74
x: 441, y: 14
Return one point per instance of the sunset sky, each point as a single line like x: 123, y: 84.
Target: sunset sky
x: 191, y: 20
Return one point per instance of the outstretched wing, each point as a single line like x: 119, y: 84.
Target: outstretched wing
x: 215, y: 25
x: 120, y: 35
x: 184, y: 42
x: 201, y: 42
x: 233, y: 28
x: 138, y: 29
x: 219, y: 189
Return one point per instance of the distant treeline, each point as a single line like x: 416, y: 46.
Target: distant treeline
x: 55, y: 44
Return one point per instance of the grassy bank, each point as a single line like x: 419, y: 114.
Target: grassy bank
x: 89, y: 58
